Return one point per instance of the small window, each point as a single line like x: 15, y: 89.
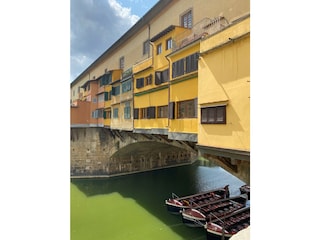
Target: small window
x: 159, y: 49
x: 187, y: 109
x: 126, y: 86
x: 146, y: 47
x: 213, y: 115
x: 149, y: 80
x: 186, y: 19
x: 121, y: 63
x: 127, y: 110
x: 169, y: 43
x: 139, y: 82
x: 115, y: 113
x: 162, y: 111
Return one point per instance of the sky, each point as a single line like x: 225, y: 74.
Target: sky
x: 96, y: 24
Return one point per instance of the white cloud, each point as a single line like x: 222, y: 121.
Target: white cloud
x: 123, y: 12
x: 94, y: 27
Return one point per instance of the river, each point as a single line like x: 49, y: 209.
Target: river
x: 132, y: 207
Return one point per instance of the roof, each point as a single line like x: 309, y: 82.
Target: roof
x: 162, y: 33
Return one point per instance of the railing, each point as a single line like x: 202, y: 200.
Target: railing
x: 202, y: 29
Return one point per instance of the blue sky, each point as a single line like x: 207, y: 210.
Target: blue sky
x: 96, y: 24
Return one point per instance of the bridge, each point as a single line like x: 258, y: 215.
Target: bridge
x: 102, y: 152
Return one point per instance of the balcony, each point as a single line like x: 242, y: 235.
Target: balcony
x: 202, y: 29
x: 142, y: 65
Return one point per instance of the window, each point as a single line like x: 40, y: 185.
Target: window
x: 213, y: 115
x: 115, y: 113
x: 127, y: 110
x: 192, y: 62
x: 106, y: 96
x: 121, y: 63
x: 186, y: 19
x: 187, y: 109
x: 105, y: 80
x: 94, y: 100
x: 185, y: 65
x: 100, y: 113
x: 116, y: 90
x: 169, y: 43
x: 162, y: 76
x: 149, y: 80
x: 101, y: 98
x: 159, y: 49
x: 178, y: 68
x: 147, y: 113
x: 94, y: 114
x: 139, y: 82
x: 126, y: 86
x: 143, y: 113
x: 136, y: 113
x: 146, y: 47
x: 107, y: 114
x: 162, y: 111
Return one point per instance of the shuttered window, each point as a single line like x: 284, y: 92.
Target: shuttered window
x: 127, y: 110
x: 186, y: 19
x: 162, y: 76
x: 171, y: 110
x: 136, y: 113
x: 178, y: 68
x: 192, y: 63
x: 187, y: 109
x: 213, y: 115
x: 151, y: 112
x: 162, y: 111
x: 139, y: 82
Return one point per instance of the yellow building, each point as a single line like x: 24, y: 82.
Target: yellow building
x: 182, y: 71
x: 224, y: 92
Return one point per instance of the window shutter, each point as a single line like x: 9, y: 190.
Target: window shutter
x: 136, y: 113
x: 158, y: 78
x: 196, y: 107
x: 151, y: 112
x: 171, y: 110
x: 165, y: 75
x: 174, y: 69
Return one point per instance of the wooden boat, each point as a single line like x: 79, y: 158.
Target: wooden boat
x: 228, y: 226
x: 176, y: 204
x: 199, y: 216
x: 245, y: 189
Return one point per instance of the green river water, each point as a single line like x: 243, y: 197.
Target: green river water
x: 132, y: 207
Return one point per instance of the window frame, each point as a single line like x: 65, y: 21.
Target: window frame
x: 146, y: 47
x: 121, y: 62
x: 205, y: 117
x: 187, y: 109
x: 187, y: 17
x: 159, y: 48
x: 169, y: 43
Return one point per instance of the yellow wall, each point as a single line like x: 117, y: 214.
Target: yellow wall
x: 225, y: 78
x: 183, y: 88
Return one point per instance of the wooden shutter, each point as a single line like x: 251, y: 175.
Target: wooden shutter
x: 151, y: 112
x: 136, y: 113
x: 158, y: 78
x: 171, y: 110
